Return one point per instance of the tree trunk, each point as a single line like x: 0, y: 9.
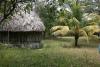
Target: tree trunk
x: 76, y: 39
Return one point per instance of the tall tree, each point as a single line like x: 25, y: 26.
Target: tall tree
x: 77, y: 14
x: 7, y: 7
x: 47, y: 12
x: 75, y: 20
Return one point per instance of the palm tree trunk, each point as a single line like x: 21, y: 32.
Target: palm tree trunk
x: 76, y: 39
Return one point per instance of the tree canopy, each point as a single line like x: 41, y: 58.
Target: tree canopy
x: 8, y: 7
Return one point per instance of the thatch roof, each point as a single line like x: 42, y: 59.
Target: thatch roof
x: 22, y: 21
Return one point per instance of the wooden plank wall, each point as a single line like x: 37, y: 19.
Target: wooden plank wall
x: 20, y: 37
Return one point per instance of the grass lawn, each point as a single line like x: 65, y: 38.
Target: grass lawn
x: 55, y: 53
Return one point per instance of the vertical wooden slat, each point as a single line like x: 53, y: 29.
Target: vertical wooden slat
x: 20, y: 37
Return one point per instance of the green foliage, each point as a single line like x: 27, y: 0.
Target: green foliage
x: 8, y: 7
x: 71, y: 19
x: 62, y: 17
x: 76, y: 20
x: 76, y: 9
x: 28, y: 7
x: 47, y: 14
x: 61, y: 2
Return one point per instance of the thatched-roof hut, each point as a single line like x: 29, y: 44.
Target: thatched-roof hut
x: 23, y: 28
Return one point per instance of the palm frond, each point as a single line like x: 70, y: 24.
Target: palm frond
x: 83, y: 33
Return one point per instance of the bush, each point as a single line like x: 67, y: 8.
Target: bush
x: 59, y: 30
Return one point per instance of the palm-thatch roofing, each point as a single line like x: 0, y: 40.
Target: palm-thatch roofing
x: 23, y: 21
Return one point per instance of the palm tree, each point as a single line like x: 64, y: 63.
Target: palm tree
x: 76, y: 21
x: 78, y: 31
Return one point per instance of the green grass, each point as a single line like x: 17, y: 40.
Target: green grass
x: 55, y: 53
